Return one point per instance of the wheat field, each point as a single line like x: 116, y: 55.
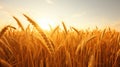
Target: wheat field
x: 34, y: 47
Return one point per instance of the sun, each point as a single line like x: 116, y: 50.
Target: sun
x: 45, y: 23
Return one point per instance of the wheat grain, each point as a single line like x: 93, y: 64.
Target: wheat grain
x: 75, y: 30
x: 19, y: 23
x: 29, y: 50
x: 49, y: 45
x: 103, y: 33
x: 5, y: 29
x: 65, y: 28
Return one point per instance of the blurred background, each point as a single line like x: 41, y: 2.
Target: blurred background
x: 81, y: 14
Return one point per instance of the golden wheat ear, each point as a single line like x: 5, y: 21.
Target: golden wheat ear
x: 19, y: 23
x: 75, y: 30
x: 5, y: 29
x: 32, y: 22
x: 50, y: 45
x: 65, y: 28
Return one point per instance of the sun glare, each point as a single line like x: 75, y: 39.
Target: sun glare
x: 45, y: 23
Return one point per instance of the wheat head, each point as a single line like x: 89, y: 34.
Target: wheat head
x: 47, y: 41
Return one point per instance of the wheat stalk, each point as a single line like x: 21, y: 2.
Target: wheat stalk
x: 91, y: 62
x: 68, y: 58
x: 48, y: 43
x: 83, y: 44
x: 19, y: 23
x: 5, y: 29
x: 116, y: 58
x: 118, y: 39
x: 3, y: 63
x: 54, y: 30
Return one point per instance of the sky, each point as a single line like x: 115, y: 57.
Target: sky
x: 80, y: 14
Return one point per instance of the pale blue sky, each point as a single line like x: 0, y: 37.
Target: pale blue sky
x: 78, y: 13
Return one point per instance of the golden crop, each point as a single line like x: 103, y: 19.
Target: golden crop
x: 33, y: 47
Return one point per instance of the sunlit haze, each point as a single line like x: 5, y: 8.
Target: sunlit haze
x: 80, y: 14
